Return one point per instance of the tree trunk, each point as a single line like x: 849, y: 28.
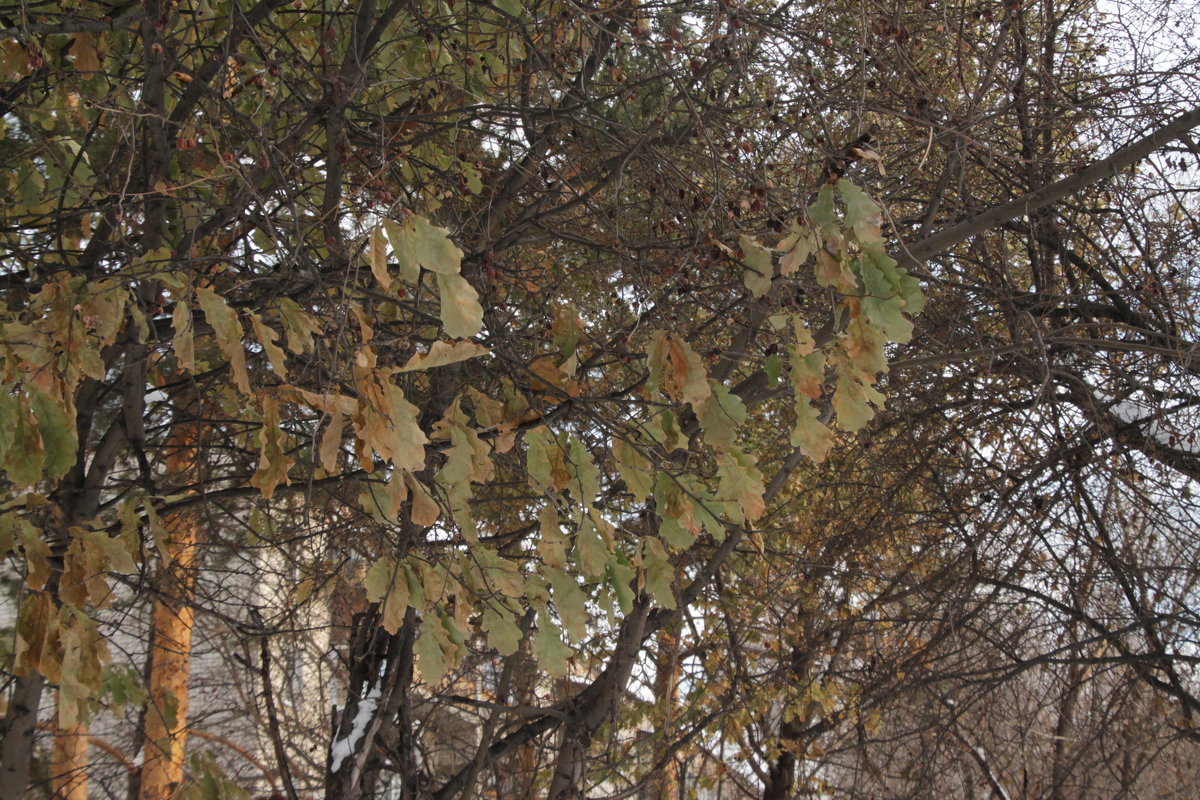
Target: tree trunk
x: 570, y: 771
x: 20, y: 723
x: 170, y: 663
x: 665, y: 785
x: 171, y: 622
x: 781, y: 777
x: 69, y: 765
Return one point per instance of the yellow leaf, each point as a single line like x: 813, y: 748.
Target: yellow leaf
x: 442, y: 353
x: 378, y: 257
x: 37, y: 552
x: 797, y: 248
x: 85, y: 49
x: 552, y: 544
x: 425, y: 510
x: 386, y: 423
x: 37, y: 624
x: 808, y: 373
x: 552, y: 379
x: 273, y: 461
x: 758, y: 269
x: 387, y: 583
x: 812, y: 437
x: 266, y: 337
x: 331, y: 441
x: 688, y: 372
x: 741, y: 482
x: 184, y: 342
x: 228, y: 329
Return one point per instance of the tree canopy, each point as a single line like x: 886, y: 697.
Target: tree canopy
x: 536, y: 398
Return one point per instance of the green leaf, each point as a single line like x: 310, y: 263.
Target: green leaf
x: 417, y: 243
x: 660, y: 574
x: 621, y: 577
x: 635, y: 469
x: 57, y: 430
x: 24, y: 455
x: 544, y: 460
x: 548, y: 647
x: 431, y: 662
x: 773, y: 367
x: 860, y: 209
x: 377, y: 501
x: 461, y: 313
x: 882, y: 302
x: 720, y: 415
x: 591, y: 549
x: 503, y: 632
x: 587, y: 476
x: 676, y: 534
x: 664, y: 429
x: 416, y: 588
x: 570, y: 601
x: 298, y: 326
x: 822, y: 213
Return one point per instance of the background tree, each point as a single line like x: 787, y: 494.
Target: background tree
x: 502, y: 334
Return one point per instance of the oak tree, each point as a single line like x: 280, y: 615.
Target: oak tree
x: 510, y: 340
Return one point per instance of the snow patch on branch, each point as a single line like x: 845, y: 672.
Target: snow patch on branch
x: 343, y: 748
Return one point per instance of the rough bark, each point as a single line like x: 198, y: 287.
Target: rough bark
x: 571, y: 767
x: 171, y: 623
x: 665, y: 785
x: 172, y: 620
x: 20, y: 724
x: 69, y: 765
